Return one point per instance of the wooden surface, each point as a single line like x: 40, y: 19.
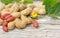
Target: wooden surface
x: 44, y: 31
x: 48, y: 28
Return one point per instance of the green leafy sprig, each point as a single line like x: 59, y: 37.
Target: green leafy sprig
x: 52, y: 8
x: 18, y: 1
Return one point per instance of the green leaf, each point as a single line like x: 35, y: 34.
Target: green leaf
x: 10, y: 1
x: 48, y: 9
x: 50, y: 2
x: 52, y: 8
x: 57, y: 9
x: 16, y: 1
x: 53, y: 11
x: 28, y: 2
x: 6, y: 1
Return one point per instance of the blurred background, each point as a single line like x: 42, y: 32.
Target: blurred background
x: 37, y: 0
x: 41, y: 0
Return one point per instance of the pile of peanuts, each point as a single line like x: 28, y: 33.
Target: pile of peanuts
x: 18, y: 15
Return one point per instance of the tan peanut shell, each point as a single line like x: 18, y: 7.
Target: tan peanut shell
x: 1, y: 21
x: 20, y: 24
x: 27, y: 20
x: 2, y: 7
x: 27, y: 11
x: 11, y: 25
x: 16, y: 14
x: 5, y: 11
x: 30, y: 5
x: 14, y: 7
x: 22, y: 6
x: 40, y: 9
x: 9, y: 5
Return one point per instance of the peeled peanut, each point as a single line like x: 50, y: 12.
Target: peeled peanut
x: 1, y: 21
x: 16, y: 14
x: 11, y: 25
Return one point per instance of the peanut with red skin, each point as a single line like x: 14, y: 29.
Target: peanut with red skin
x: 10, y: 19
x: 3, y: 16
x: 8, y: 16
x: 4, y: 26
x: 35, y: 24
